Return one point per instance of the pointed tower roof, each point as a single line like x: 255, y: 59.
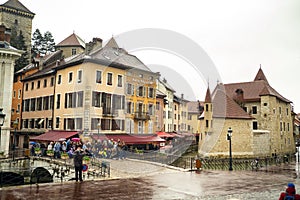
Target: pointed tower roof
x: 112, y: 43
x: 15, y: 4
x: 207, y: 96
x: 260, y: 76
x: 72, y: 40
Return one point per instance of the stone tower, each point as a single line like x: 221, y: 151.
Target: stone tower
x: 14, y: 15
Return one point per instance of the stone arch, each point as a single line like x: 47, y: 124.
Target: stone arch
x: 41, y: 175
x: 10, y: 179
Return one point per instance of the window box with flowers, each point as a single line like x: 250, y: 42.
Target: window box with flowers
x: 37, y: 150
x: 50, y: 152
x: 64, y: 155
x: 86, y: 159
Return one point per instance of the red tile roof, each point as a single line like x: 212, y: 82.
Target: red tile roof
x: 260, y: 76
x: 225, y: 107
x: 72, y: 40
x: 207, y: 96
x: 252, y: 91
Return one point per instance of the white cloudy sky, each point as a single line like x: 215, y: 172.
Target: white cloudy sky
x: 238, y: 35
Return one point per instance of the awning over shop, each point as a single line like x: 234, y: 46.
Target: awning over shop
x: 131, y: 138
x: 177, y: 135
x: 164, y: 135
x: 55, y: 136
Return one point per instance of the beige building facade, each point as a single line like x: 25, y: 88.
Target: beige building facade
x: 261, y: 120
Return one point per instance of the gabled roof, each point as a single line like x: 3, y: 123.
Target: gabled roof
x: 166, y: 84
x: 15, y: 4
x: 72, y: 40
x: 26, y: 68
x: 193, y: 107
x: 252, y: 91
x: 226, y: 107
x: 112, y: 43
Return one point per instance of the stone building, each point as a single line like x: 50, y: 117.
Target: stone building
x: 8, y: 55
x: 261, y: 120
x: 14, y: 15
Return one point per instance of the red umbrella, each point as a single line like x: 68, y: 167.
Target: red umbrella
x: 75, y: 139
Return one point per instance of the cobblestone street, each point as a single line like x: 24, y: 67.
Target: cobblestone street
x: 132, y: 179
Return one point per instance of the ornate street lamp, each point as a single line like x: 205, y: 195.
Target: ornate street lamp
x: 2, y: 118
x: 229, y: 135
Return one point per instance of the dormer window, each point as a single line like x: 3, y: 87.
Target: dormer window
x: 73, y: 52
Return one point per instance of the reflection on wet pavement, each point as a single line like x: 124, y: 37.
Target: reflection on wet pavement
x: 168, y: 184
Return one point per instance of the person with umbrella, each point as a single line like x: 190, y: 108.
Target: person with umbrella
x: 78, y: 164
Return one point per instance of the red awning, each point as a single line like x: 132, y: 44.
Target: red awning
x: 132, y: 138
x: 177, y: 135
x: 164, y: 135
x: 54, y: 135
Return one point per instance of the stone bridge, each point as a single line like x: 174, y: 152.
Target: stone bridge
x: 32, y: 170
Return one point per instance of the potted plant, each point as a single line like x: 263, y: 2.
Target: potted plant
x: 64, y: 155
x: 1, y: 154
x: 37, y: 150
x: 50, y: 152
x: 86, y: 159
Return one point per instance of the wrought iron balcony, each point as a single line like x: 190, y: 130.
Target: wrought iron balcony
x: 141, y: 116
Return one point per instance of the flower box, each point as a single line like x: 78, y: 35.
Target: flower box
x: 86, y: 159
x: 64, y: 156
x: 50, y: 152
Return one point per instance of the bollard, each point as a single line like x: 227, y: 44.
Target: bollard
x: 198, y: 164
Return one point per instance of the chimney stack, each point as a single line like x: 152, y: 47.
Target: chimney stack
x: 7, y: 35
x: 2, y: 33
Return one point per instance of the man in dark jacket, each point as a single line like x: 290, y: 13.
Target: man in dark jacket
x: 290, y: 193
x: 78, y: 157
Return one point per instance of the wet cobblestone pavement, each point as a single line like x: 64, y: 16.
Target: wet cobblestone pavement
x: 142, y: 180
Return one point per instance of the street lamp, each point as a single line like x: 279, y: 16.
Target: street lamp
x: 2, y: 117
x: 15, y: 125
x: 229, y: 135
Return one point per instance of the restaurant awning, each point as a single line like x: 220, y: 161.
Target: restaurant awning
x: 55, y: 136
x: 131, y: 138
x: 164, y: 135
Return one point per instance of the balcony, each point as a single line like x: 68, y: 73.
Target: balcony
x: 109, y: 112
x: 141, y: 116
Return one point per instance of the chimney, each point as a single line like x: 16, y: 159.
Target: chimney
x: 97, y: 42
x: 239, y: 96
x: 7, y: 35
x: 2, y: 32
x: 182, y: 96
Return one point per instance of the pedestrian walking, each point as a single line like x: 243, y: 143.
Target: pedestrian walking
x: 78, y: 165
x: 290, y: 193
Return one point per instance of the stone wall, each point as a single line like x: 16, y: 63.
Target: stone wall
x: 19, y: 23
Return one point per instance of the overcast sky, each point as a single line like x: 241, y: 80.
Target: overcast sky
x: 237, y: 35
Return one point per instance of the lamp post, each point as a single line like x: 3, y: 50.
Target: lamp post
x: 2, y: 118
x: 15, y: 124
x: 229, y: 135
